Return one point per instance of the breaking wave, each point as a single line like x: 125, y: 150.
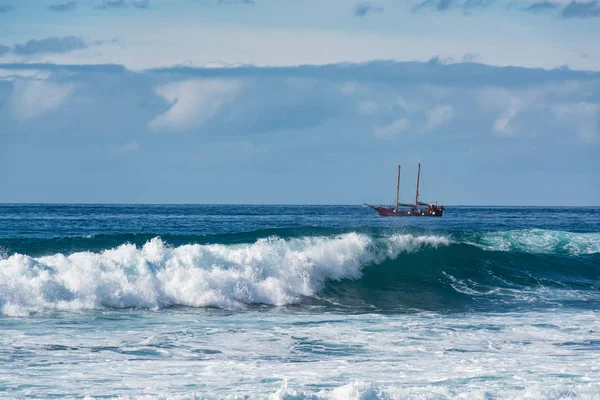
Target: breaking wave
x: 361, y: 271
x: 270, y: 271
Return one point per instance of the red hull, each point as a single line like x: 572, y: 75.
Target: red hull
x: 430, y: 211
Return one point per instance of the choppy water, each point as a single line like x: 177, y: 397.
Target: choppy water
x: 298, y: 302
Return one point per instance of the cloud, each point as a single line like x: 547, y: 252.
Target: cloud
x: 469, y: 4
x: 5, y: 8
x: 444, y: 5
x: 108, y: 109
x: 392, y: 130
x: 364, y: 9
x: 576, y: 9
x: 478, y: 3
x: 522, y: 111
x: 128, y: 147
x: 54, y: 45
x: 141, y: 4
x: 439, y: 116
x: 471, y: 57
x: 542, y: 6
x: 512, y: 103
x: 568, y: 9
x: 193, y: 103
x: 35, y: 98
x: 384, y: 98
x: 440, y: 5
x: 501, y: 125
x: 68, y: 6
x: 107, y: 4
x: 584, y: 117
x: 12, y: 75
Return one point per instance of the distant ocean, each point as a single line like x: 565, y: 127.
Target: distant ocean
x: 298, y: 302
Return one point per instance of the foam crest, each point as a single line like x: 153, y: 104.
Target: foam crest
x: 541, y: 241
x: 270, y: 271
x: 410, y: 244
x: 359, y: 390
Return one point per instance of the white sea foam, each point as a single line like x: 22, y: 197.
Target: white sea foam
x: 540, y: 241
x: 360, y: 390
x: 270, y: 271
x: 261, y: 355
x: 410, y: 243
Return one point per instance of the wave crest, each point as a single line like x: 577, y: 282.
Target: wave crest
x: 270, y: 271
x: 540, y: 241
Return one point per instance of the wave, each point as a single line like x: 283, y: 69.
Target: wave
x: 356, y: 271
x: 270, y: 271
x: 539, y: 241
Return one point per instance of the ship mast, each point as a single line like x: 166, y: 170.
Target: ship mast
x: 398, y: 189
x: 417, y: 196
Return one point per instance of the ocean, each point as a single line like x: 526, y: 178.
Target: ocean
x: 298, y: 302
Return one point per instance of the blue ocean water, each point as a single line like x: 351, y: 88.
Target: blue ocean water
x: 298, y: 302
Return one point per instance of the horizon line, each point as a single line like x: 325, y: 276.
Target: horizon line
x: 279, y: 204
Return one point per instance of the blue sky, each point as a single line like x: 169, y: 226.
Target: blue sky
x: 316, y: 102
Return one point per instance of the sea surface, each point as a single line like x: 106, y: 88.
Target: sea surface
x: 298, y: 302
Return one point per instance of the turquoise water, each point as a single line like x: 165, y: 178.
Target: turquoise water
x: 114, y: 301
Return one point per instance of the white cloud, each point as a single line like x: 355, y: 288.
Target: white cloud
x: 502, y: 123
x: 584, y: 117
x: 32, y: 99
x: 511, y: 103
x: 558, y: 2
x: 193, y: 102
x: 267, y: 123
x: 388, y: 131
x: 33, y: 74
x: 439, y: 116
x: 549, y: 99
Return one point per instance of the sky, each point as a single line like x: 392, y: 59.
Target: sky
x: 299, y: 101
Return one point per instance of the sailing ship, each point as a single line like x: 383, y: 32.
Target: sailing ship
x: 418, y: 209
